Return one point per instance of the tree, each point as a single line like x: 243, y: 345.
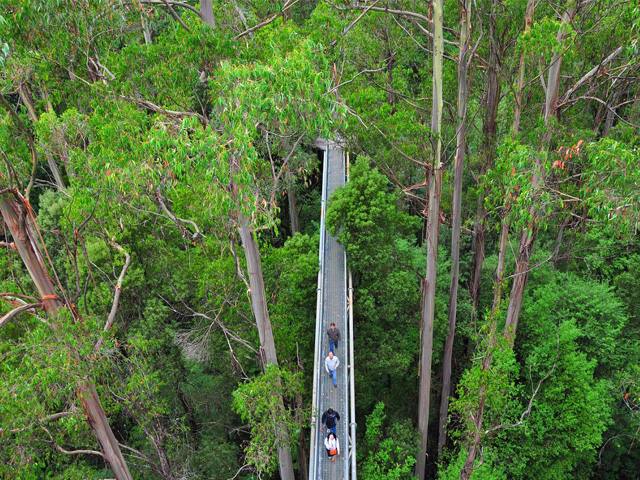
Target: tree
x: 433, y: 230
x: 464, y: 63
x: 19, y: 219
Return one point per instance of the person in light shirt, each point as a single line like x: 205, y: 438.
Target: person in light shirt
x: 332, y: 445
x: 330, y: 365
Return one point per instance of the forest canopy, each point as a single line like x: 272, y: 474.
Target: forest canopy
x: 160, y: 204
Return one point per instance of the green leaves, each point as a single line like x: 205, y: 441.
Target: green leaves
x: 273, y: 424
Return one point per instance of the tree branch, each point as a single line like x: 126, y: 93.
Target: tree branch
x: 30, y: 141
x: 118, y: 290
x: 353, y: 24
x: 269, y: 20
x: 158, y: 109
x: 177, y: 220
x: 171, y: 3
x: 5, y: 319
x: 40, y: 421
x: 588, y: 76
x: 176, y: 16
x: 535, y: 392
x: 10, y: 246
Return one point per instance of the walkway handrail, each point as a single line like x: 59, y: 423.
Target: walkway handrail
x: 352, y: 382
x: 319, y: 309
x: 346, y: 371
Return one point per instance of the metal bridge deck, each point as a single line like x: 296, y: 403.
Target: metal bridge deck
x: 333, y: 308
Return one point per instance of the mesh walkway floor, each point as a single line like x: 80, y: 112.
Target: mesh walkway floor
x: 334, y: 309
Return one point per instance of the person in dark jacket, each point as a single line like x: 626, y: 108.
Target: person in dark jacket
x: 330, y: 418
x: 334, y: 336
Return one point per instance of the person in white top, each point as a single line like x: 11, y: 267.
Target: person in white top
x: 330, y: 365
x: 332, y: 445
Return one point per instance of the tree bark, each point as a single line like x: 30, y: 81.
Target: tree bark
x: 553, y: 83
x: 499, y: 281
x: 519, y: 282
x: 528, y: 235
x: 528, y: 21
x: 302, y: 455
x: 33, y: 116
x: 433, y: 230
x: 489, y: 130
x: 99, y: 424
x: 16, y: 214
x: 293, y: 205
x: 461, y: 143
x: 206, y: 13
x: 258, y: 294
x: 261, y: 314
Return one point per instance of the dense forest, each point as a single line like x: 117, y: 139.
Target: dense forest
x: 160, y: 189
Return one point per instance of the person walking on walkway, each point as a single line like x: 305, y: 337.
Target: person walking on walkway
x: 330, y: 365
x: 330, y: 418
x: 334, y: 336
x: 332, y: 445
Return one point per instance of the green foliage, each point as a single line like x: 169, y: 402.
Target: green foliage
x: 365, y: 217
x: 273, y: 424
x: 609, y: 188
x: 569, y: 415
x: 594, y: 310
x: 389, y: 448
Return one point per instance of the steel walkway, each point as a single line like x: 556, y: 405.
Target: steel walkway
x: 333, y: 306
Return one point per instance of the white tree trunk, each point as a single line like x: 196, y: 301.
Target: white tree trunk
x: 433, y: 230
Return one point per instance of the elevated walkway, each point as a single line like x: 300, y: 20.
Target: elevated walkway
x: 333, y: 307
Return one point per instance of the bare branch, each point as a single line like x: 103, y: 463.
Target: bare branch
x: 353, y: 24
x: 269, y: 20
x: 177, y: 220
x: 171, y: 3
x: 176, y: 16
x: 10, y: 246
x: 40, y: 421
x: 158, y: 109
x: 589, y: 75
x: 400, y: 13
x: 78, y: 452
x: 118, y: 290
x: 5, y: 319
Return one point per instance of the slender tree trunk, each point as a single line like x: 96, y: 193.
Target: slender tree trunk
x: 146, y: 31
x: 463, y: 67
x: 528, y: 235
x: 25, y: 96
x: 258, y: 295
x: 519, y: 282
x: 528, y: 21
x: 611, y: 116
x: 489, y: 130
x: 99, y: 423
x: 15, y: 212
x: 433, y: 230
x: 206, y: 13
x: 293, y: 205
x: 261, y: 314
x: 499, y: 282
x: 556, y: 250
x: 472, y: 451
x: 473, y: 444
x: 302, y: 455
x: 553, y: 83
